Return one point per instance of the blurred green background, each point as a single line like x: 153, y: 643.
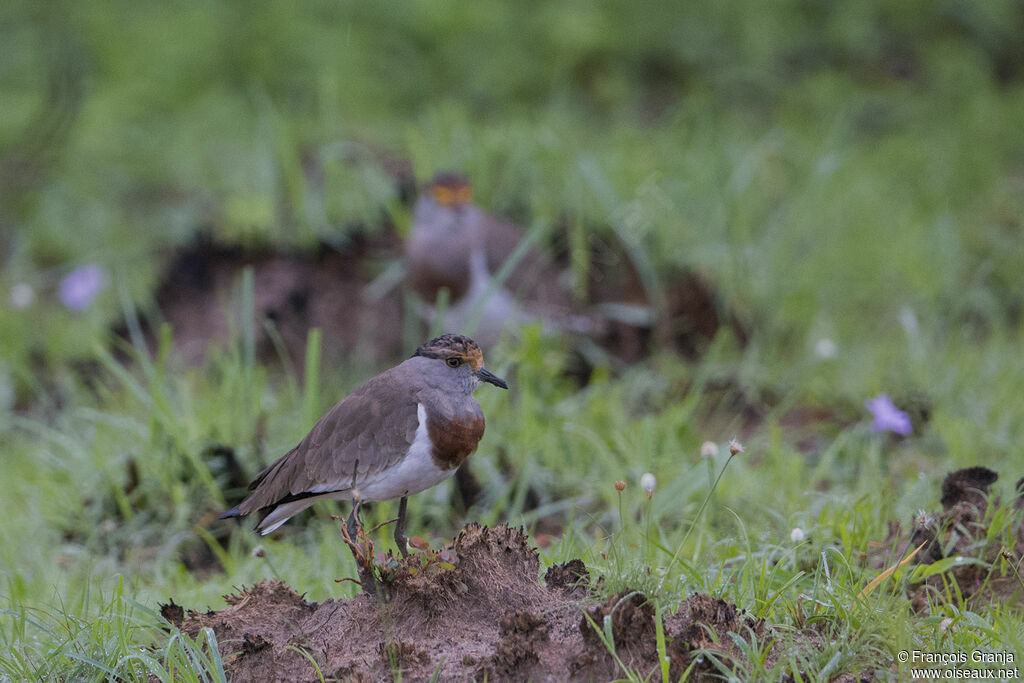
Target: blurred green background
x: 828, y: 163
x: 847, y: 176
x: 853, y: 172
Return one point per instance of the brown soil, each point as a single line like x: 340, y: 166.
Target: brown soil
x: 481, y: 615
x: 292, y: 292
x: 329, y: 288
x: 695, y: 314
x: 960, y: 528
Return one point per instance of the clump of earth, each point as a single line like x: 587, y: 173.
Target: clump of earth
x: 480, y: 613
x: 475, y: 610
x: 983, y: 568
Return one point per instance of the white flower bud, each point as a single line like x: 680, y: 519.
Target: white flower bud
x: 22, y: 296
x: 825, y: 348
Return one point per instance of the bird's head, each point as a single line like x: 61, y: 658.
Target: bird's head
x: 450, y: 189
x: 460, y: 355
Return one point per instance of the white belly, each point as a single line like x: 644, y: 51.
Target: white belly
x: 416, y: 472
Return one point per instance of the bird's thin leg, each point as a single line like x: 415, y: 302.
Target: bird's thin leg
x: 354, y: 529
x: 400, y: 539
x: 353, y: 524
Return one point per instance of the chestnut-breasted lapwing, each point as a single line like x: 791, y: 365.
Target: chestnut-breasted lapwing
x: 454, y: 243
x: 402, y: 432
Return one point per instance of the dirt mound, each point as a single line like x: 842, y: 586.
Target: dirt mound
x: 495, y: 571
x: 478, y: 613
x: 694, y: 645
x: 346, y: 289
x: 961, y: 529
x: 292, y: 292
x: 632, y: 632
x: 571, y: 577
x: 695, y: 634
x: 969, y: 486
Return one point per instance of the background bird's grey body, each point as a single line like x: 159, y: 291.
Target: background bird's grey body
x: 442, y: 238
x: 461, y: 247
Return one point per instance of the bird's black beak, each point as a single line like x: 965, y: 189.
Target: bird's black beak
x: 485, y: 375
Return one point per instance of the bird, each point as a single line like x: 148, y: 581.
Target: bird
x: 399, y: 433
x: 455, y: 244
x: 446, y: 228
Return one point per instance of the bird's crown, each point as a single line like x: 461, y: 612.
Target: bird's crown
x: 451, y: 189
x: 453, y: 348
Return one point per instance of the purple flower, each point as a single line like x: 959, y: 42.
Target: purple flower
x: 888, y: 418
x: 81, y: 286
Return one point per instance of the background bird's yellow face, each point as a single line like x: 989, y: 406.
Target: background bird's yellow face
x: 451, y: 190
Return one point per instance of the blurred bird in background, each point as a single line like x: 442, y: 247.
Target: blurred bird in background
x: 455, y: 244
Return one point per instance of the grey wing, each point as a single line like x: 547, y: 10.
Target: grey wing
x: 370, y: 430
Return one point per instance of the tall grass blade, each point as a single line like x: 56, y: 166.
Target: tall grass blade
x: 311, y: 378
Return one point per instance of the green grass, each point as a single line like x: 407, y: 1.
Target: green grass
x: 841, y: 172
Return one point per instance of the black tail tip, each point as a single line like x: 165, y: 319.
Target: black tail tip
x: 233, y: 512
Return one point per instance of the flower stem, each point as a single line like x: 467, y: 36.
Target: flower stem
x: 700, y: 512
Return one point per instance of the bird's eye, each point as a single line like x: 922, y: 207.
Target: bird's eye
x: 454, y: 362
